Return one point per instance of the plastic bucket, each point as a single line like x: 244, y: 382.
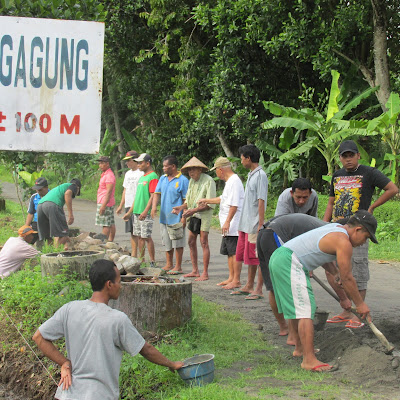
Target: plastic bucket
x: 198, y: 370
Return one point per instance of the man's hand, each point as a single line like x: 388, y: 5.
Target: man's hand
x: 176, y: 210
x: 188, y: 213
x: 345, y: 304
x: 363, y: 310
x: 71, y: 219
x: 66, y: 375
x: 176, y: 365
x: 102, y: 210
x: 142, y: 216
x: 127, y: 216
x: 225, y: 228
x: 119, y: 210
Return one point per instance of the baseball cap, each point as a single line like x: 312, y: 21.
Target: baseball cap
x: 103, y: 159
x: 368, y: 221
x: 143, y: 157
x: 40, y: 183
x: 221, y: 162
x: 348, y: 145
x: 131, y: 154
x: 25, y: 230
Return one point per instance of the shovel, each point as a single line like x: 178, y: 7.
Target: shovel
x: 381, y: 337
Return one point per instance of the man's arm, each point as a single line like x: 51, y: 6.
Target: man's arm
x: 153, y: 355
x: 261, y: 212
x: 329, y: 209
x: 227, y: 224
x: 390, y: 190
x: 68, y: 203
x: 215, y: 200
x: 51, y: 352
x: 109, y: 188
x: 142, y: 216
x: 29, y: 219
x: 156, y: 199
x: 176, y: 210
x: 121, y: 205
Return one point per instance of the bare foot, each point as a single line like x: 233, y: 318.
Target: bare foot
x: 224, y: 283
x: 203, y: 277
x: 316, y: 366
x: 167, y: 268
x: 290, y: 342
x: 298, y: 353
x: 284, y: 332
x: 232, y: 285
x: 174, y: 271
x: 249, y: 289
x: 192, y: 275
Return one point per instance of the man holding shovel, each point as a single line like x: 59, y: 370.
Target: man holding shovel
x: 291, y: 263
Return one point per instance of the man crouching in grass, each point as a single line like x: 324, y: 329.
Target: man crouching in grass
x: 95, y: 336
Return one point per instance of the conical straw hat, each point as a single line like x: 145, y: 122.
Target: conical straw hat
x: 194, y: 162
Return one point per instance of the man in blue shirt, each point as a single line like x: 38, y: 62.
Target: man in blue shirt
x: 171, y: 188
x: 42, y: 188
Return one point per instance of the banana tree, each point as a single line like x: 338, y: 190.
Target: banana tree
x: 322, y: 132
x: 387, y: 125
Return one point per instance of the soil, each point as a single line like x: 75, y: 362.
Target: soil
x: 360, y: 358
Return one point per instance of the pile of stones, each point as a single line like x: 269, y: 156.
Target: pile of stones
x: 126, y: 264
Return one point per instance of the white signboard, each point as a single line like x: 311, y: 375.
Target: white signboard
x: 51, y: 80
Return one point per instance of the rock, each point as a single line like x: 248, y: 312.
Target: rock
x: 64, y: 291
x: 395, y: 362
x: 100, y: 236
x: 92, y: 241
x: 111, y: 245
x: 95, y: 247
x: 114, y: 257
x: 120, y: 268
x: 83, y: 245
x: 130, y: 264
x: 82, y: 236
x: 152, y: 271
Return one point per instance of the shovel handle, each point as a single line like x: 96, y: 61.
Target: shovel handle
x: 381, y: 337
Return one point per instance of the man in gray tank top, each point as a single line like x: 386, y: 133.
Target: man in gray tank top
x: 290, y: 266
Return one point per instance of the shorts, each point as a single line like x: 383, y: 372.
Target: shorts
x: 228, y: 245
x: 128, y: 224
x: 144, y: 228
x: 51, y: 221
x: 246, y: 251
x: 194, y: 225
x: 292, y: 287
x: 167, y: 242
x: 107, y: 219
x: 266, y: 245
x: 360, y: 268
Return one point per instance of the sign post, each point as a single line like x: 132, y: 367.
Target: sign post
x: 51, y: 80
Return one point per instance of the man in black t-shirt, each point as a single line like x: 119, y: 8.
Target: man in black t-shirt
x: 351, y: 190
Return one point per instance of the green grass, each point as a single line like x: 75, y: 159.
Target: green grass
x: 11, y: 219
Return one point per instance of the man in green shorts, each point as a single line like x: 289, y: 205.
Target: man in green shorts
x: 51, y: 217
x: 142, y: 223
x: 290, y: 266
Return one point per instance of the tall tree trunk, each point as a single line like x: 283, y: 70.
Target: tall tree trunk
x: 380, y: 52
x: 225, y: 145
x: 114, y: 110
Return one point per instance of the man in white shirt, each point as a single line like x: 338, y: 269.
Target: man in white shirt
x: 130, y: 184
x: 16, y: 250
x: 231, y: 203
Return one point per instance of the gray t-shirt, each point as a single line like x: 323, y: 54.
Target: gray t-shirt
x: 95, y: 336
x: 256, y: 189
x: 286, y: 204
x: 292, y: 225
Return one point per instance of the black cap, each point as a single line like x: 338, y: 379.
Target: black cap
x: 103, y: 159
x: 40, y: 183
x: 78, y: 183
x: 368, y: 221
x: 348, y: 145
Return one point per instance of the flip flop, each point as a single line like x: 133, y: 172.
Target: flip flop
x: 254, y: 297
x: 175, y: 272
x: 316, y: 368
x: 336, y: 319
x: 354, y: 324
x: 239, y: 293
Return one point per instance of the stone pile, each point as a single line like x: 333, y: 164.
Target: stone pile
x: 127, y: 265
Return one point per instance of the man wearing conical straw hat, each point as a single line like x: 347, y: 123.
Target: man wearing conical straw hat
x: 198, y: 216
